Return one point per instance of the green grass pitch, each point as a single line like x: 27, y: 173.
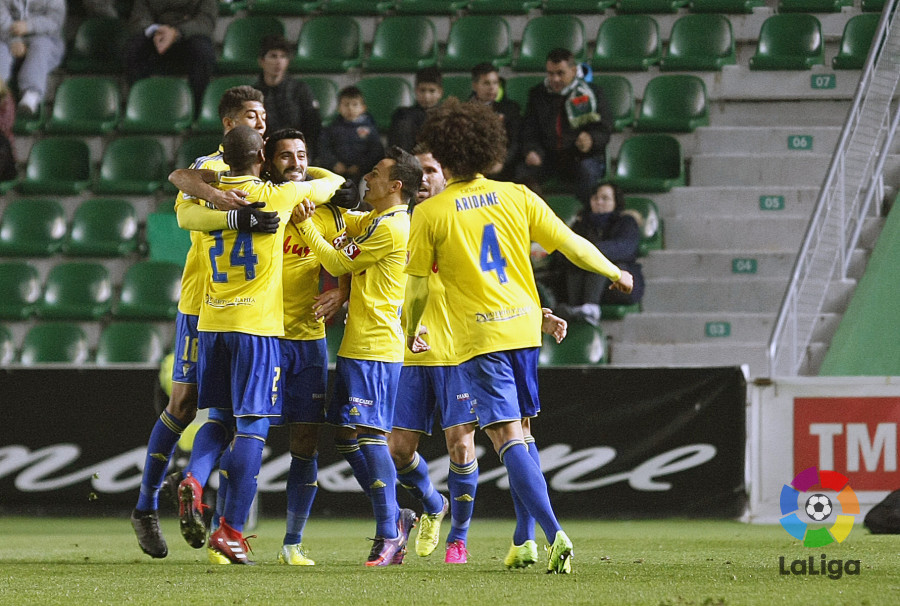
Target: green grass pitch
x: 662, y: 562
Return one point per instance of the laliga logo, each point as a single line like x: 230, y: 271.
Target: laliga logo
x: 818, y: 507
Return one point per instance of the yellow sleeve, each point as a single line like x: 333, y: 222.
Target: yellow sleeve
x: 414, y: 303
x: 351, y: 258
x: 586, y: 256
x: 195, y: 217
x: 323, y: 185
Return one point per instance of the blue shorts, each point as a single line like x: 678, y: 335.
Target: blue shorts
x: 504, y: 385
x: 364, y: 393
x: 304, y: 380
x: 241, y: 370
x: 424, y: 388
x: 185, y: 368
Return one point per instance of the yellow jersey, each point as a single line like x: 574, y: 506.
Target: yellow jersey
x: 479, y: 233
x: 301, y: 273
x: 244, y: 270
x: 375, y: 256
x: 193, y: 278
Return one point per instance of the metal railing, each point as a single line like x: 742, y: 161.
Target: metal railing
x: 854, y: 180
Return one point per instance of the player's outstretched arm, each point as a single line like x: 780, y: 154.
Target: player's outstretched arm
x: 553, y: 325
x: 323, y: 185
x: 196, y: 183
x: 586, y: 256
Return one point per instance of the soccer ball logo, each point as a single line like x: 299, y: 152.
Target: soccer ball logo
x: 818, y: 507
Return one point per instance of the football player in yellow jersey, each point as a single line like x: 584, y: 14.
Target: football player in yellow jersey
x: 241, y: 318
x: 242, y: 105
x: 479, y: 232
x: 371, y: 353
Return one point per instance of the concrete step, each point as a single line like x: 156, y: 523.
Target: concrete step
x: 716, y: 264
x: 804, y: 169
x: 663, y: 328
x: 692, y: 354
x: 779, y: 233
x: 809, y: 112
x: 761, y: 200
x: 748, y: 294
x: 748, y: 140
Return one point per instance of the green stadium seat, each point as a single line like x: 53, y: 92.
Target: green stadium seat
x: 292, y: 8
x: 856, y: 41
x: 627, y: 43
x: 102, y: 228
x: 673, y: 103
x: 165, y: 240
x: 475, y: 39
x: 97, y: 48
x: 585, y: 7
x: 130, y: 343
x: 31, y: 125
x: 85, y: 105
x: 459, y: 86
x: 429, y: 7
x: 57, y: 165
x: 517, y: 88
x: 132, y: 165
x: 325, y: 91
x: 161, y: 105
x: 790, y: 41
x: 620, y: 97
x: 650, y: 223
x: 150, y: 290
x: 383, y: 94
x: 566, y: 207
x: 812, y: 6
x: 584, y: 344
x: 503, y: 7
x: 6, y: 186
x: 76, y: 290
x: 54, y: 342
x: 242, y: 41
x: 624, y: 7
x: 20, y: 289
x: 702, y: 42
x: 872, y: 6
x: 650, y: 163
x: 7, y: 347
x: 229, y: 9
x: 329, y: 44
x: 357, y: 7
x: 725, y: 6
x: 403, y: 43
x: 610, y: 311
x: 208, y: 120
x: 32, y: 228
x: 543, y: 34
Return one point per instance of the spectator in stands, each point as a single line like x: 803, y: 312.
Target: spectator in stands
x: 101, y: 8
x: 566, y: 128
x: 7, y: 120
x: 486, y: 89
x: 289, y: 102
x: 351, y: 145
x: 407, y: 121
x: 616, y: 233
x: 173, y: 36
x: 31, y: 36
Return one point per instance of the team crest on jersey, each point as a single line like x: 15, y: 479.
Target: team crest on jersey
x: 363, y: 131
x: 352, y: 250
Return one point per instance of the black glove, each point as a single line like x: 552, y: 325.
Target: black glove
x: 346, y: 196
x: 251, y: 219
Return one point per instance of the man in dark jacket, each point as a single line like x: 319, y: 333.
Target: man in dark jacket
x: 566, y: 128
x: 289, y: 102
x: 173, y: 36
x: 486, y: 85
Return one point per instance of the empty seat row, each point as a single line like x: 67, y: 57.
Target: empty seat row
x: 82, y: 290
x: 64, y: 342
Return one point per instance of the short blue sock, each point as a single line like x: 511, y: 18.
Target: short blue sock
x: 301, y: 491
x: 382, y: 483
x: 160, y: 448
x: 211, y: 439
x: 349, y: 449
x: 414, y: 478
x: 462, y: 482
x: 526, y: 479
x: 243, y: 467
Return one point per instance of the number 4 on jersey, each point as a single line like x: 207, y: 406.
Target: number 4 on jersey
x: 491, y: 257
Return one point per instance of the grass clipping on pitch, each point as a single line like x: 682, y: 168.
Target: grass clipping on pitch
x: 663, y: 562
